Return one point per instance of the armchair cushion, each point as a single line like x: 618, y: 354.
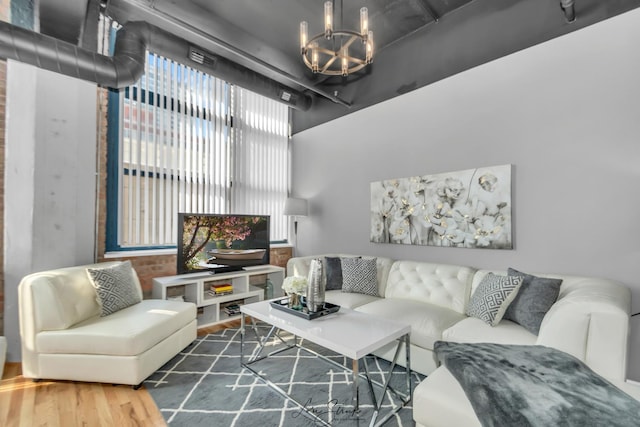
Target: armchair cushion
x: 130, y: 331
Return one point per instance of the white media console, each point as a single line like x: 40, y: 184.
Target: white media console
x: 248, y: 286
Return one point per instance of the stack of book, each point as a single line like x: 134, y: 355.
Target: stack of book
x: 222, y: 289
x: 232, y: 309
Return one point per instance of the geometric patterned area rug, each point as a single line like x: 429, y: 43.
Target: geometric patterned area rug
x: 205, y: 385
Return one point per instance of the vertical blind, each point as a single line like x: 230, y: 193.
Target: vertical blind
x: 260, y: 135
x: 190, y: 142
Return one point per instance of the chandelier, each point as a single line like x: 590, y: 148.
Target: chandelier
x: 333, y: 52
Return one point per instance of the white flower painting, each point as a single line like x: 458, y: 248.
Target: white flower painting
x: 465, y: 209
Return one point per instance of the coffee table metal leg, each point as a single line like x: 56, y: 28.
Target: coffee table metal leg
x: 355, y: 399
x: 408, y: 367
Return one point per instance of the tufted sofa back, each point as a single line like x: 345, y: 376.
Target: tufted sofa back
x: 444, y: 285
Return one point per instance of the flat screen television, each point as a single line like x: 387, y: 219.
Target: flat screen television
x: 221, y: 242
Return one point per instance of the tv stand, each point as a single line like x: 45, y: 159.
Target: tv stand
x: 248, y: 287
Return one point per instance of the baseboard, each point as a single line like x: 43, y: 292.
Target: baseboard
x: 635, y: 383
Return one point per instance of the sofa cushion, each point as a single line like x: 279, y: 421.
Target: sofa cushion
x: 427, y: 321
x: 494, y: 294
x: 348, y: 299
x: 359, y: 275
x: 533, y: 301
x: 474, y: 330
x: 115, y: 287
x: 128, y: 332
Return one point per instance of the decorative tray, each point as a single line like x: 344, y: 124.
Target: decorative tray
x: 283, y: 304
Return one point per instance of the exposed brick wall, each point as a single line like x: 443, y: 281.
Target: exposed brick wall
x: 148, y: 267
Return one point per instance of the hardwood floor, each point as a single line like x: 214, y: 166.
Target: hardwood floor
x: 70, y: 403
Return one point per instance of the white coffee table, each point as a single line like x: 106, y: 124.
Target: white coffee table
x: 350, y: 333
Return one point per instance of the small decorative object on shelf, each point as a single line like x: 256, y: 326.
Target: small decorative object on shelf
x: 315, y: 290
x: 268, y: 289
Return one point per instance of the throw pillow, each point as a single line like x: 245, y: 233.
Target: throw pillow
x: 492, y: 297
x: 360, y: 275
x: 115, y: 287
x: 534, y: 299
x: 334, y: 273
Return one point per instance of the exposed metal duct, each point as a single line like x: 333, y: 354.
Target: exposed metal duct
x: 127, y: 63
x: 568, y: 7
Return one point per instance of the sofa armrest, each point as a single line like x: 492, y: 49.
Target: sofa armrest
x: 590, y: 320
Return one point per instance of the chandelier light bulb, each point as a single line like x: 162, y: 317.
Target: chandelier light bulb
x: 328, y: 19
x: 314, y: 58
x: 364, y: 21
x: 345, y: 60
x: 304, y: 35
x: 369, y: 50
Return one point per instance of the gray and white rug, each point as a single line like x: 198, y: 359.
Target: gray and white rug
x: 205, y: 386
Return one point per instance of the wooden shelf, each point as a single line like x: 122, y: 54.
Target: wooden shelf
x: 248, y: 287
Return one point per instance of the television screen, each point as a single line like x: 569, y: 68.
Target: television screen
x: 221, y: 242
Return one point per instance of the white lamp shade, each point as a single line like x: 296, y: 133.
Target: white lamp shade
x: 295, y: 207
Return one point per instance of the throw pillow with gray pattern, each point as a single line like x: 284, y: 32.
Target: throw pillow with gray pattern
x: 360, y: 275
x: 115, y: 287
x: 492, y: 297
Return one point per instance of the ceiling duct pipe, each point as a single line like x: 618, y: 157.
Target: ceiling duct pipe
x: 127, y: 63
x: 568, y: 7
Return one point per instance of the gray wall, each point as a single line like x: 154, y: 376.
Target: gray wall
x: 50, y: 180
x: 565, y: 114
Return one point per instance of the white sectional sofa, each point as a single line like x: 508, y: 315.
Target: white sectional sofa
x: 589, y: 320
x: 65, y: 338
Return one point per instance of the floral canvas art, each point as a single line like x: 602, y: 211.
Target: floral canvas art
x: 466, y: 209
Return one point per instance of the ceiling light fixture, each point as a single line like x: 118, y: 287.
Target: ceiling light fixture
x: 333, y: 52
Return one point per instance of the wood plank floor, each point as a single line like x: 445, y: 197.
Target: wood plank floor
x: 26, y: 403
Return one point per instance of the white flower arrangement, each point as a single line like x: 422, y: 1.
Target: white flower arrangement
x: 295, y: 285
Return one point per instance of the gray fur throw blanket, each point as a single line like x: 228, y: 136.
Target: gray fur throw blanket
x: 532, y: 385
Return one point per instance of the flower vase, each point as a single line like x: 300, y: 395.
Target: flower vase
x: 294, y: 302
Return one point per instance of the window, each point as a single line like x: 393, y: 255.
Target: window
x: 181, y: 140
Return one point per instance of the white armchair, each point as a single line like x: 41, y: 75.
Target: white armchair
x: 64, y: 336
